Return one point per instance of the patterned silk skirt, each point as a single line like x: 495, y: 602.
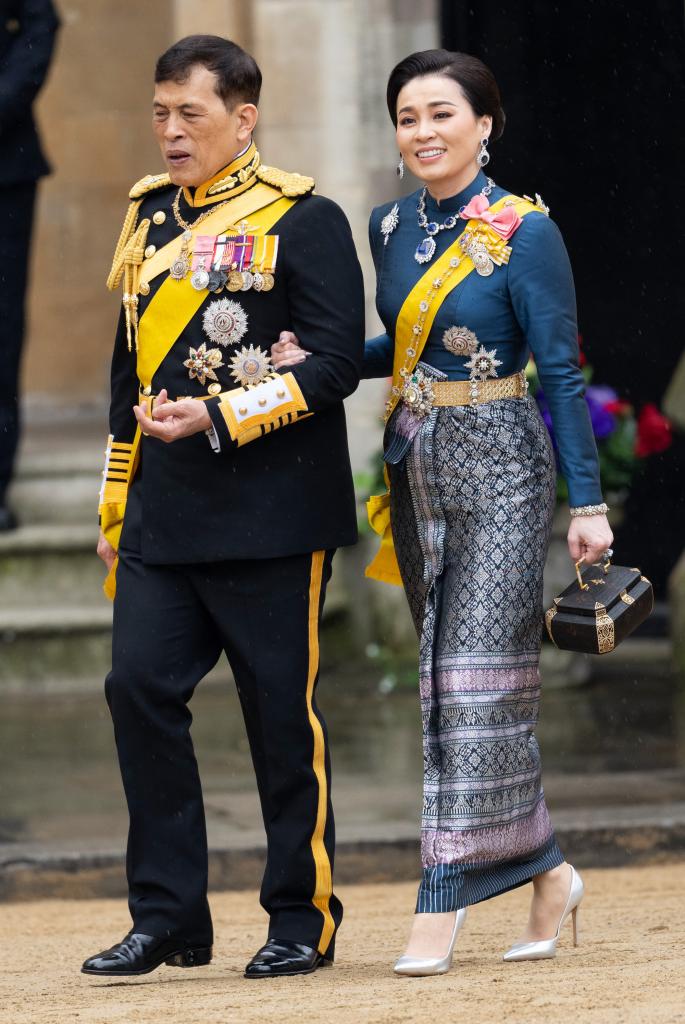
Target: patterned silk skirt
x: 471, y: 505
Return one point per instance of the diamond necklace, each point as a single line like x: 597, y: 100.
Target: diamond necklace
x: 425, y: 250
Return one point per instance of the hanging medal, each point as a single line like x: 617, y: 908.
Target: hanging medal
x: 244, y: 245
x: 180, y: 268
x: 269, y: 262
x: 202, y: 258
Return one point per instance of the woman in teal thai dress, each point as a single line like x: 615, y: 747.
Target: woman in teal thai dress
x: 470, y: 280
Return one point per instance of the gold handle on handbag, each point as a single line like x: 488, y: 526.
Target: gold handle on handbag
x: 607, y: 559
x: 583, y: 586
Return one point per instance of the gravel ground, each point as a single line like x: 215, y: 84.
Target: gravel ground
x: 630, y: 966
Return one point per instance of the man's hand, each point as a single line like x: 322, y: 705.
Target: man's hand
x: 106, y: 551
x: 172, y: 420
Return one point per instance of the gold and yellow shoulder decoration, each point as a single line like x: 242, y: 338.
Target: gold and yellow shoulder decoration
x: 149, y: 183
x: 130, y: 250
x: 288, y: 182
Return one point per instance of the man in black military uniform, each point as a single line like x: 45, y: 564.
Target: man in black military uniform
x: 27, y: 36
x: 226, y: 489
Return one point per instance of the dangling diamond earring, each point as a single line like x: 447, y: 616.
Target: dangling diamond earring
x: 400, y: 168
x: 483, y: 158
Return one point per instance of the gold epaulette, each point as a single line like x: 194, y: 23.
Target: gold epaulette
x: 288, y: 182
x: 148, y: 184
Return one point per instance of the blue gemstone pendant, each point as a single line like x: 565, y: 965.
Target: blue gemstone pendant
x: 425, y: 250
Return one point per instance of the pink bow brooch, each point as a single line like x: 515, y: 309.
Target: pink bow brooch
x: 504, y: 222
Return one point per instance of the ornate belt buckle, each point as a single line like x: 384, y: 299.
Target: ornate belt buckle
x: 418, y: 394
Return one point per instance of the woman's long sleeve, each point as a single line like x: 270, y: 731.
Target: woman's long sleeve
x: 378, y: 357
x: 543, y: 298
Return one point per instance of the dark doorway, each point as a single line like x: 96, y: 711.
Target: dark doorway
x: 594, y: 95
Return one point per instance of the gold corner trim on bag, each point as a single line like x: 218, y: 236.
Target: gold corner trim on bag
x: 606, y: 637
x: 549, y: 615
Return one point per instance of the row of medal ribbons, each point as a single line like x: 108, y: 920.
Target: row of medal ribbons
x: 236, y: 262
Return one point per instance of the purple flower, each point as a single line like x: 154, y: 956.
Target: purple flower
x: 546, y: 415
x: 602, y: 394
x: 603, y: 423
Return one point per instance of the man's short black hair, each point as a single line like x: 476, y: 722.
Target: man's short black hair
x: 238, y: 78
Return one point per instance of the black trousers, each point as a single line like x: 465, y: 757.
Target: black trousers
x: 16, y: 220
x: 170, y: 625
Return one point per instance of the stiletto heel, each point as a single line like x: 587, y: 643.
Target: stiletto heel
x: 546, y: 949
x: 420, y: 967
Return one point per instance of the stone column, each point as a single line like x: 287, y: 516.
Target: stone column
x: 95, y: 121
x: 229, y: 18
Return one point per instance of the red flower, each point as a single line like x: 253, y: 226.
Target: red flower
x: 618, y: 407
x: 581, y: 355
x: 654, y: 432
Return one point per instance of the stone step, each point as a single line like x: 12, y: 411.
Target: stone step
x: 57, y: 492
x: 44, y: 565
x: 66, y: 645
x: 58, y: 472
x: 59, y: 647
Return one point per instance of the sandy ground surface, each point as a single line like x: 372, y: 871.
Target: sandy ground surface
x: 629, y: 967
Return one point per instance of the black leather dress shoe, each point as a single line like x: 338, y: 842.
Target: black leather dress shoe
x: 280, y: 958
x: 140, y: 954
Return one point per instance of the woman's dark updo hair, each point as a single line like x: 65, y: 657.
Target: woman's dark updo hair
x: 474, y: 78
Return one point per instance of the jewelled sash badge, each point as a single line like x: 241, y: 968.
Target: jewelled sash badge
x: 417, y: 393
x: 482, y: 365
x: 250, y: 366
x: 202, y: 363
x: 460, y: 341
x: 224, y: 322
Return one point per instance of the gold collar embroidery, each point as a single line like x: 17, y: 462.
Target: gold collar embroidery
x: 232, y: 180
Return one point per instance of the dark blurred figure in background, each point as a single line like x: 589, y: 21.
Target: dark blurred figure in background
x: 27, y: 36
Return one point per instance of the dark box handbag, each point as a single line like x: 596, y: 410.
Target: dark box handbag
x: 600, y: 608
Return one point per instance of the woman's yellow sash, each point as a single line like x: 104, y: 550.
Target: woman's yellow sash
x: 384, y: 566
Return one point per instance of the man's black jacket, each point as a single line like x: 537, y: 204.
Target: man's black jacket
x: 27, y: 36
x: 290, y: 490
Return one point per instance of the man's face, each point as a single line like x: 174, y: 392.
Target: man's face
x: 197, y: 133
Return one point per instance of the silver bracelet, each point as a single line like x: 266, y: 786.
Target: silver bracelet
x: 590, y: 510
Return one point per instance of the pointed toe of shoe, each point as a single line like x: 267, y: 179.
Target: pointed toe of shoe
x: 531, y: 951
x: 415, y: 967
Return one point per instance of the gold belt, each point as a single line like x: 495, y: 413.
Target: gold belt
x: 475, y: 392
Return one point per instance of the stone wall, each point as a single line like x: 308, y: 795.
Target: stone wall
x: 325, y: 63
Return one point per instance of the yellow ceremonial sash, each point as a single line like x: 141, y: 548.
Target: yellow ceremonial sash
x: 170, y: 311
x: 176, y: 302
x: 384, y: 566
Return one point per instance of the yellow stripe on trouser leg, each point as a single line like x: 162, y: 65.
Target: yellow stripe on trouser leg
x: 323, y: 889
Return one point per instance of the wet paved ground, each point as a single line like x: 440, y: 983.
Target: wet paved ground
x: 613, y: 752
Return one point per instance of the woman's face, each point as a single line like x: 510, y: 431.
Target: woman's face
x: 438, y: 133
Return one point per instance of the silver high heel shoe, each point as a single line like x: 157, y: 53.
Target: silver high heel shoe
x: 546, y: 949
x: 419, y: 967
